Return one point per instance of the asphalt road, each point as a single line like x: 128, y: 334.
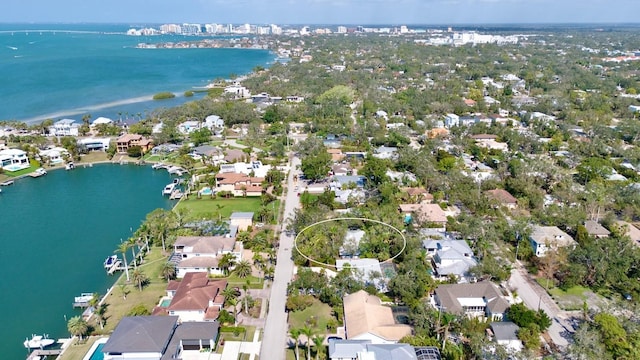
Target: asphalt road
x: 275, y: 331
x: 535, y: 297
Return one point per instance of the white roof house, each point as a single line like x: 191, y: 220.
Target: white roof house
x: 101, y: 120
x: 544, y: 238
x: 64, y: 127
x: 450, y: 257
x: 13, y: 160
x: 367, y: 271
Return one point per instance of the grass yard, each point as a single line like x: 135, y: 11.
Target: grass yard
x: 319, y: 313
x: 254, y: 282
x: 571, y: 299
x: 118, y: 307
x: 78, y: 349
x: 208, y: 208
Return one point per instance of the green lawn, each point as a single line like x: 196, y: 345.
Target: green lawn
x: 34, y: 165
x: 78, y: 349
x: 208, y: 208
x: 118, y: 307
x: 571, y: 299
x: 319, y: 311
x: 254, y: 282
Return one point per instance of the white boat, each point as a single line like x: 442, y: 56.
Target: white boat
x: 108, y: 262
x: 38, y: 341
x: 70, y: 166
x: 83, y: 298
x: 168, y: 189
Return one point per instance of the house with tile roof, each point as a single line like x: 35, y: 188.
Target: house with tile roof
x: 502, y: 197
x: 196, y: 297
x: 365, y: 318
x: 203, y: 253
x: 126, y: 141
x: 239, y: 184
x: 477, y: 300
x: 424, y: 213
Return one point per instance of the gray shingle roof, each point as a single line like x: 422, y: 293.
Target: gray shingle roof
x: 505, y: 330
x: 136, y: 334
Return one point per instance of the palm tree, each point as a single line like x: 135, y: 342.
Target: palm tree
x: 168, y: 271
x: 269, y: 271
x: 258, y: 260
x: 226, y: 262
x: 100, y: 312
x: 243, y: 269
x: 123, y: 247
x: 295, y: 335
x: 123, y: 290
x: 229, y: 293
x: 317, y: 341
x: 271, y: 254
x: 77, y: 326
x: 234, y: 303
x: 308, y: 332
x: 132, y: 244
x: 139, y: 278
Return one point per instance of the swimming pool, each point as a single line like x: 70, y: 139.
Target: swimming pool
x: 165, y: 302
x: 15, y: 167
x: 97, y: 353
x: 205, y: 191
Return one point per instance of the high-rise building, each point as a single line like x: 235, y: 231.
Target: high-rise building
x: 191, y: 29
x: 342, y: 29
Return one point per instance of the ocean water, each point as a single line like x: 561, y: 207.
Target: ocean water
x: 55, y: 232
x: 61, y: 70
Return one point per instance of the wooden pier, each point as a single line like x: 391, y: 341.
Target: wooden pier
x: 6, y: 183
x: 39, y: 353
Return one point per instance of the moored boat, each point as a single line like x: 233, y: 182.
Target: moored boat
x: 38, y: 341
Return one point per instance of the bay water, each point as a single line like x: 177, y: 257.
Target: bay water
x: 55, y: 232
x: 68, y: 70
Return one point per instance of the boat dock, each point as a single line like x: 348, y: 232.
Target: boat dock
x: 6, y: 183
x: 176, y: 194
x: 117, y: 266
x: 41, y: 353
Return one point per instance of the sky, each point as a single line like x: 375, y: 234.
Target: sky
x: 309, y: 12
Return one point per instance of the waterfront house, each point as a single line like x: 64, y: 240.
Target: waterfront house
x: 365, y: 318
x: 13, y: 160
x: 126, y: 141
x: 478, y: 300
x: 544, y: 238
x: 239, y: 184
x: 141, y: 337
x: 160, y: 337
x: 196, y: 297
x: 94, y: 144
x: 203, y: 253
x: 54, y: 155
x: 101, y: 121
x: 64, y: 127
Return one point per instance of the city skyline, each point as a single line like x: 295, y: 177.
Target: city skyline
x: 330, y: 12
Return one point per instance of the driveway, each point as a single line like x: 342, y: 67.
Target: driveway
x: 535, y: 297
x: 275, y: 331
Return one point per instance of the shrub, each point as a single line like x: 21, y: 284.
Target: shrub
x: 139, y: 310
x: 299, y: 302
x: 188, y: 93
x: 164, y: 95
